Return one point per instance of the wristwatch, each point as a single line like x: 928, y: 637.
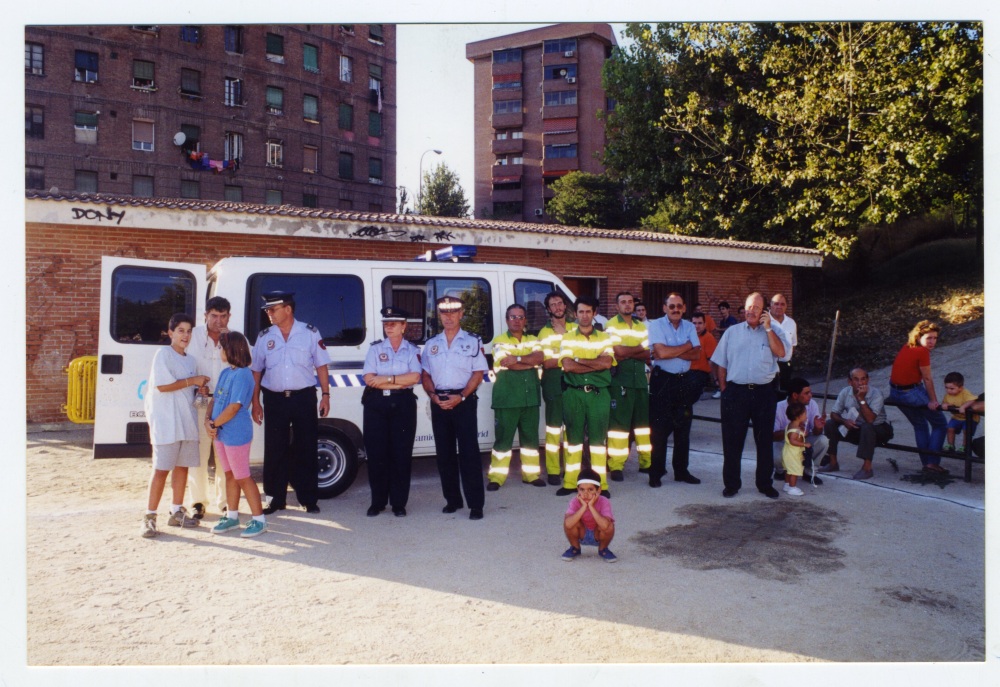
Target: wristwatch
x: 518, y: 358
x: 212, y: 425
x: 862, y: 403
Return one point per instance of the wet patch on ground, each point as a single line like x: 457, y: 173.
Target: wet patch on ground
x: 924, y: 478
x: 781, y: 540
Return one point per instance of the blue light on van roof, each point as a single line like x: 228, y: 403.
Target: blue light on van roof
x: 450, y: 253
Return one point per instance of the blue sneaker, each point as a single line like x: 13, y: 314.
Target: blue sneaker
x: 225, y: 524
x: 253, y: 528
x: 607, y: 555
x: 571, y: 553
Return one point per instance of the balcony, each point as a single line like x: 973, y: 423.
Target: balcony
x: 511, y: 120
x: 557, y: 139
x: 507, y: 93
x: 509, y: 171
x: 514, y: 195
x: 508, y: 145
x: 508, y: 68
x: 551, y: 58
x: 560, y: 111
x: 560, y: 163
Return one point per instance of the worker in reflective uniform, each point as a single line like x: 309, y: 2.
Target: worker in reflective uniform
x: 516, y: 397
x: 550, y: 337
x: 629, y: 389
x: 586, y: 356
x: 453, y: 364
x: 392, y: 368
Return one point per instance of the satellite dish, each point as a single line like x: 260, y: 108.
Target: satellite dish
x: 562, y: 72
x: 179, y: 138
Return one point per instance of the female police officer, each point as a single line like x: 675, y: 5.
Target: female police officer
x: 391, y: 370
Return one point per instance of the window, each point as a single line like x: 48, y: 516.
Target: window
x: 85, y: 127
x: 275, y: 100
x: 506, y: 81
x: 417, y: 296
x: 233, y: 39
x: 233, y: 149
x: 345, y: 166
x: 507, y: 107
x: 346, y: 69
x: 190, y: 82
x: 34, y: 178
x: 556, y: 98
x: 506, y: 185
x: 340, y: 319
x: 511, y: 208
x: 310, y: 107
x: 375, y: 124
x: 345, y: 118
x: 561, y: 71
x: 144, y: 298
x: 142, y: 186
x: 274, y: 49
x: 190, y: 189
x: 234, y: 92
x: 191, y: 34
x: 275, y: 153
x: 531, y: 294
x: 146, y: 28
x: 610, y: 105
x: 517, y: 133
x: 505, y: 56
x: 375, y: 33
x: 563, y: 45
x: 310, y: 159
x: 504, y: 134
x: 560, y: 151
x: 192, y: 137
x: 34, y: 59
x: 310, y: 200
x: 34, y: 121
x: 233, y: 194
x: 142, y: 135
x: 85, y: 181
x: 142, y: 74
x: 310, y: 58
x: 86, y: 66
x: 272, y: 197
x: 374, y: 170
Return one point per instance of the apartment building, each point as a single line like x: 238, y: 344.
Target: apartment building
x: 537, y: 98
x: 278, y: 114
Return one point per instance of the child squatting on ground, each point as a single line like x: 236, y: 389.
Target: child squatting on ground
x: 173, y: 423
x: 229, y: 424
x: 589, y: 520
x: 794, y: 448
x: 957, y: 395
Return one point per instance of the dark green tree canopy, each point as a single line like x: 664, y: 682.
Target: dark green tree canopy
x: 797, y: 133
x: 588, y: 200
x: 443, y: 195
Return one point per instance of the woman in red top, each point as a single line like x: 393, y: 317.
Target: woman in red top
x: 912, y: 388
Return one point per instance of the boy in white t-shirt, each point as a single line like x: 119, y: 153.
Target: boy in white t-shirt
x: 173, y: 423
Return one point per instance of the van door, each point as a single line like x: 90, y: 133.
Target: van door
x: 137, y: 299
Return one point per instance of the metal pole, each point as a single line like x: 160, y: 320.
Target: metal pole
x: 829, y: 364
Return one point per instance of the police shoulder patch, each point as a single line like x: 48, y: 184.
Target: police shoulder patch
x: 376, y: 342
x: 264, y: 331
x: 310, y: 327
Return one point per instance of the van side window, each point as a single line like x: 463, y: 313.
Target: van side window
x: 417, y: 296
x: 333, y: 303
x: 531, y: 294
x: 144, y: 298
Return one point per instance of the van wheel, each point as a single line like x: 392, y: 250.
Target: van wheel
x: 338, y: 463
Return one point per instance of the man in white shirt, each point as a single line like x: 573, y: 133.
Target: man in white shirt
x: 778, y: 306
x: 207, y: 353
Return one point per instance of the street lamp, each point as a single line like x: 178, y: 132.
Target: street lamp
x: 420, y: 192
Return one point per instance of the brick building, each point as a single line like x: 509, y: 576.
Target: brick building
x: 537, y: 98
x: 66, y: 236
x: 278, y: 114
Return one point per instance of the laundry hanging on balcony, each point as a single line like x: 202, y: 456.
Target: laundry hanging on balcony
x: 201, y: 161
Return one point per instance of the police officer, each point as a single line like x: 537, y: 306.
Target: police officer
x: 287, y: 358
x: 629, y: 388
x: 550, y: 337
x: 516, y: 396
x: 453, y: 364
x: 586, y: 356
x: 392, y: 367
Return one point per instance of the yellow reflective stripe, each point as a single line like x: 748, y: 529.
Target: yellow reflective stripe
x: 599, y: 469
x: 529, y: 452
x: 552, y: 448
x: 573, y: 467
x: 640, y: 431
x: 499, y: 470
x: 644, y: 447
x: 531, y: 469
x: 618, y: 452
x: 617, y: 434
x: 502, y: 455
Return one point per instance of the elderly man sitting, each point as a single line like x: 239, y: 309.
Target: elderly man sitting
x: 799, y: 391
x: 858, y: 416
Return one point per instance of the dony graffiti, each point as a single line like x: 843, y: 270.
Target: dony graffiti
x: 107, y: 214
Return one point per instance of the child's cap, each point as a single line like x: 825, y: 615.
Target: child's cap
x: 588, y: 476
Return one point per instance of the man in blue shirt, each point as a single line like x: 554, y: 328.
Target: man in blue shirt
x: 672, y: 390
x: 747, y: 359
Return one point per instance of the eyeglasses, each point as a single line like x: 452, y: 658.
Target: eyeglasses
x: 675, y: 307
x: 515, y: 317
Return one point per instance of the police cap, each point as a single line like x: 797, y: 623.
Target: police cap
x: 449, y: 304
x: 393, y: 314
x: 272, y: 298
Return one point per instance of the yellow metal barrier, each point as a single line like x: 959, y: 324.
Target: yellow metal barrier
x: 81, y: 393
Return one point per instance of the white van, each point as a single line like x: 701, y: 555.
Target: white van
x: 342, y: 298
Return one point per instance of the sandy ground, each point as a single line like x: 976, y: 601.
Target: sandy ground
x: 879, y: 571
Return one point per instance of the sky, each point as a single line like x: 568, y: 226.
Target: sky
x: 434, y: 107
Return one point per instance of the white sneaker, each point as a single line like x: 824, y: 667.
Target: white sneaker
x: 794, y: 491
x: 717, y: 394
x: 149, y: 525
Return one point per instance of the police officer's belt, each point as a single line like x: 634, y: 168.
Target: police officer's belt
x: 292, y: 392
x: 449, y: 391
x: 586, y: 388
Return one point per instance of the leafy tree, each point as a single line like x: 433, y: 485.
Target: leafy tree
x: 443, y: 195
x: 404, y: 201
x: 588, y: 200
x: 799, y: 133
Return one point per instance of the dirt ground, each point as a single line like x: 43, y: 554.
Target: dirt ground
x: 885, y: 571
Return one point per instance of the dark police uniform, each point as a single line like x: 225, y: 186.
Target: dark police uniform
x: 390, y: 421
x: 290, y: 417
x: 450, y: 368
